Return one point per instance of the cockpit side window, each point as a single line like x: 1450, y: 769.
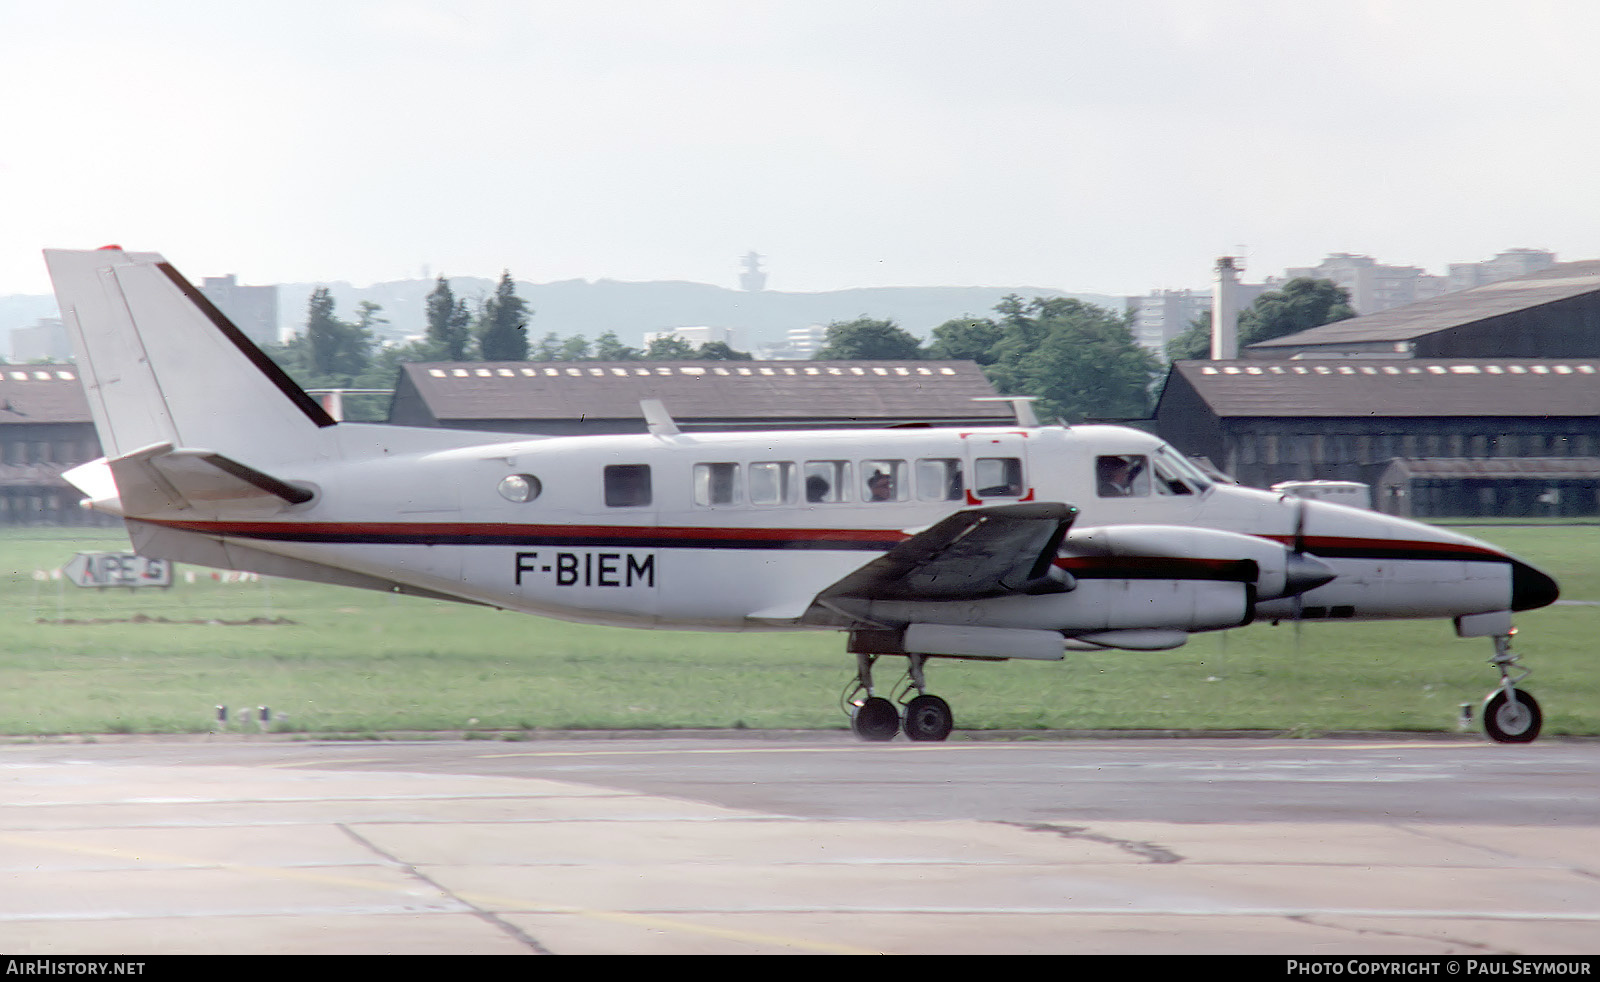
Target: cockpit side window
x: 1179, y: 474
x: 1122, y: 475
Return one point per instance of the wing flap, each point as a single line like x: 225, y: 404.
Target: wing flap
x: 970, y: 555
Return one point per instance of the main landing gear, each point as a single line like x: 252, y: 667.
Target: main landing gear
x: 1509, y: 714
x: 875, y: 719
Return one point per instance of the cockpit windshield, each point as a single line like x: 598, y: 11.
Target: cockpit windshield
x: 1176, y: 475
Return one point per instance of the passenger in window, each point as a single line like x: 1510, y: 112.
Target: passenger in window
x: 880, y: 487
x: 816, y: 488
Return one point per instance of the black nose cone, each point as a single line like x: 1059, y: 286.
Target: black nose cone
x: 1531, y: 588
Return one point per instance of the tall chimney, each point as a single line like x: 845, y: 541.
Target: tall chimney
x: 1225, y: 310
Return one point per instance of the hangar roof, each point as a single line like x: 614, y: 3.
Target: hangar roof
x: 41, y: 394
x: 1415, y: 320
x: 1365, y: 387
x: 724, y: 390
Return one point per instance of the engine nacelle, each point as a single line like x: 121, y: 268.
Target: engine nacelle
x: 1183, y: 553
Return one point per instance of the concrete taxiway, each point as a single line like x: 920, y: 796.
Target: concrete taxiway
x: 813, y: 844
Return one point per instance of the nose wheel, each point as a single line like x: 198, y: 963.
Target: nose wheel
x: 1510, y: 715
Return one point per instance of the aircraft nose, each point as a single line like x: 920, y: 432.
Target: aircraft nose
x: 1531, y: 588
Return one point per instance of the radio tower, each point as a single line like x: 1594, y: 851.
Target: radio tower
x: 753, y: 279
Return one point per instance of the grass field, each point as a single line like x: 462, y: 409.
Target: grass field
x: 332, y: 660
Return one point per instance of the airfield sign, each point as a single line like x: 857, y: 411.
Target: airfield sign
x: 103, y: 569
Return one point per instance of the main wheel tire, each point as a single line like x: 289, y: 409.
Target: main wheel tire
x: 875, y: 720
x: 928, y: 719
x: 1508, y: 722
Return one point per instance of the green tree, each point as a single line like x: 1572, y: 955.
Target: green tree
x: 609, y: 347
x: 866, y: 338
x: 966, y: 339
x: 1078, y: 360
x: 575, y: 348
x: 333, y: 347
x: 1194, y: 343
x: 1302, y: 304
x: 503, y: 324
x: 449, y: 324
x: 548, y: 348
x: 721, y: 351
x: 669, y: 347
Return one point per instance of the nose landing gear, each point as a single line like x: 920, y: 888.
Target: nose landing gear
x: 1509, y: 714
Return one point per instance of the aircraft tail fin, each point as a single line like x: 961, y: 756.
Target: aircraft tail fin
x: 161, y: 365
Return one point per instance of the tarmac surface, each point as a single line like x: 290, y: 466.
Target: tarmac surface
x: 808, y: 843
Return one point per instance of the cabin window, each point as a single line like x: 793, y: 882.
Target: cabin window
x: 520, y: 488
x: 1122, y: 475
x: 827, y: 480
x: 998, y: 477
x: 884, y: 480
x: 716, y: 484
x: 772, y: 482
x: 627, y: 485
x: 939, y: 479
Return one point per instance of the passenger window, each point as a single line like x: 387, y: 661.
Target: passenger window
x: 998, y: 477
x: 772, y: 482
x: 884, y: 480
x: 939, y: 479
x: 716, y: 484
x: 627, y: 485
x: 1122, y: 475
x: 827, y: 480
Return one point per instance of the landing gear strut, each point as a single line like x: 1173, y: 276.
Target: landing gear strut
x: 872, y: 718
x: 1509, y: 714
x: 875, y: 719
x: 928, y: 718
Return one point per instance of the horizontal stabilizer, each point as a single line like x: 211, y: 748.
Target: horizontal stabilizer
x: 160, y: 478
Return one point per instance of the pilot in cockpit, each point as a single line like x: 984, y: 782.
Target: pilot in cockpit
x: 1116, y: 476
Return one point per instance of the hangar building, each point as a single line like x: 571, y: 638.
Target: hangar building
x: 1455, y: 436
x: 1482, y: 402
x: 564, y: 398
x: 45, y: 429
x: 1554, y: 313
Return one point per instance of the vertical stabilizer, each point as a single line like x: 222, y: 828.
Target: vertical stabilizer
x: 160, y: 363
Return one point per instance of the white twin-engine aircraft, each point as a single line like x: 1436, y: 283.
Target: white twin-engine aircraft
x: 988, y: 543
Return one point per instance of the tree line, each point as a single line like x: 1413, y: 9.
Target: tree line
x: 1078, y: 361
x: 331, y: 353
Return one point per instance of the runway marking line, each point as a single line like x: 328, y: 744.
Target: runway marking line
x: 928, y: 748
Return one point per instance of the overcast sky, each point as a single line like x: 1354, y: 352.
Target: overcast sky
x: 1108, y: 147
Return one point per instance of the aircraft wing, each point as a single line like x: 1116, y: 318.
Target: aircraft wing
x: 971, y: 555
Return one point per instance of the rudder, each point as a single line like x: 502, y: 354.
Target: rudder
x: 160, y: 363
